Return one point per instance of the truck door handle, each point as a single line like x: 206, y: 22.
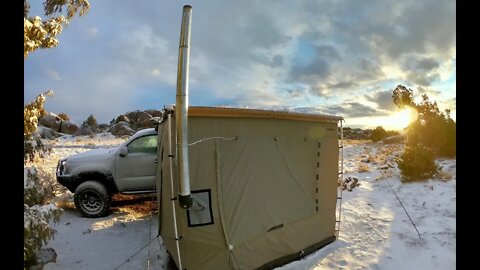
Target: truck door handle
x: 156, y: 160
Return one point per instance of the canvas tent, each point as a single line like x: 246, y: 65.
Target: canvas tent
x: 264, y: 185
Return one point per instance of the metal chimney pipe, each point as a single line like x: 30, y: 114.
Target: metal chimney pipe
x: 181, y: 110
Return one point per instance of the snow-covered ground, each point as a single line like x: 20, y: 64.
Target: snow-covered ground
x: 376, y: 233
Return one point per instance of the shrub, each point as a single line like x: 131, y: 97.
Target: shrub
x: 417, y: 163
x: 64, y: 116
x: 32, y: 112
x: 36, y: 231
x: 432, y: 128
x: 33, y: 148
x: 90, y: 122
x: 378, y: 134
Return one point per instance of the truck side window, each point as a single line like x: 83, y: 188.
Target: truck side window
x: 145, y: 144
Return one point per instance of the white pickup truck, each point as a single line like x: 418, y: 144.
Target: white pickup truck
x: 94, y: 176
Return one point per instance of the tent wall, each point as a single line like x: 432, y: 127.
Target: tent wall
x: 272, y: 184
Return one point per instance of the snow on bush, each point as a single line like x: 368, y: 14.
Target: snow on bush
x: 36, y: 217
x: 33, y: 148
x: 417, y: 163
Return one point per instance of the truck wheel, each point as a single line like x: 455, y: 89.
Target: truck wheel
x: 92, y: 199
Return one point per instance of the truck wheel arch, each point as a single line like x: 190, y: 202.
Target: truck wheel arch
x: 104, y: 178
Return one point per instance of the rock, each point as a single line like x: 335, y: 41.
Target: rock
x: 50, y: 121
x: 68, y: 127
x: 154, y: 113
x: 46, y: 133
x: 85, y: 131
x: 132, y: 116
x: 137, y: 118
x: 121, y: 129
x: 123, y: 118
x: 142, y: 117
x: 147, y: 123
x: 350, y: 183
x: 44, y: 256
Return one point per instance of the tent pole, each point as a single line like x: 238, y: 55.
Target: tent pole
x: 172, y: 189
x: 340, y: 196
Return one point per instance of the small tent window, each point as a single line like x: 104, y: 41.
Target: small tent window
x: 200, y: 214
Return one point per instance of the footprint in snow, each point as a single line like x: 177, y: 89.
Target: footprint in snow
x: 435, y: 261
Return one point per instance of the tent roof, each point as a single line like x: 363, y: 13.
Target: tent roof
x: 256, y: 113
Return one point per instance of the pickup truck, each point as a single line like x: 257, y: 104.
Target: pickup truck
x: 94, y: 176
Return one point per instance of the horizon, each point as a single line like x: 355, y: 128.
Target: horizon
x: 333, y: 58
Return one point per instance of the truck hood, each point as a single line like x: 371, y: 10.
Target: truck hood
x: 93, y: 155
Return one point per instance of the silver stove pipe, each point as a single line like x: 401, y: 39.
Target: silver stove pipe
x: 181, y: 110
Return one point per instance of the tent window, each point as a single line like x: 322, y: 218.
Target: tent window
x: 201, y: 212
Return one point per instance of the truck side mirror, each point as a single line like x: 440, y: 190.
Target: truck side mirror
x: 123, y: 151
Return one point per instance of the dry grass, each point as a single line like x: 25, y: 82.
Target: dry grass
x: 354, y: 142
x: 142, y: 205
x: 65, y: 204
x: 362, y: 167
x: 384, y: 174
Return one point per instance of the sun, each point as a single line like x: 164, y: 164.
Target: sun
x: 401, y: 119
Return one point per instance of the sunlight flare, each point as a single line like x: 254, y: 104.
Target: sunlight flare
x: 401, y: 119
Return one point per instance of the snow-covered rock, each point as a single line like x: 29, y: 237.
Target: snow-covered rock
x: 121, y: 129
x: 68, y: 127
x: 50, y: 121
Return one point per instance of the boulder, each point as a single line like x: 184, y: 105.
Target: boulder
x: 44, y: 256
x: 84, y: 131
x: 121, y: 129
x: 46, y: 133
x: 132, y: 116
x: 147, y: 123
x: 50, y: 121
x: 137, y: 117
x: 123, y: 118
x: 154, y: 113
x: 68, y: 127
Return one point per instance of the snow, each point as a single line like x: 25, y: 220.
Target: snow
x: 27, y: 172
x: 376, y: 233
x: 44, y: 208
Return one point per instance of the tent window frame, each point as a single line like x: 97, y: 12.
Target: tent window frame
x: 209, y: 193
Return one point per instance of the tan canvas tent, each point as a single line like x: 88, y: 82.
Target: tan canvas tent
x: 263, y: 183
x: 244, y: 189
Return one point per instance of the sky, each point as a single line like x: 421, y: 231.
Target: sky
x: 335, y: 57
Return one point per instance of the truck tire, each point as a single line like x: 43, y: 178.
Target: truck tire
x: 92, y: 199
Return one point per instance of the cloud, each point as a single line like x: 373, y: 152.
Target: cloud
x: 351, y: 109
x: 450, y: 104
x: 253, y: 53
x: 53, y: 74
x: 327, y: 52
x: 92, y: 31
x: 347, y: 109
x: 318, y: 69
x: 383, y: 99
x: 277, y: 61
x: 427, y: 64
x: 156, y: 72
x: 428, y: 91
